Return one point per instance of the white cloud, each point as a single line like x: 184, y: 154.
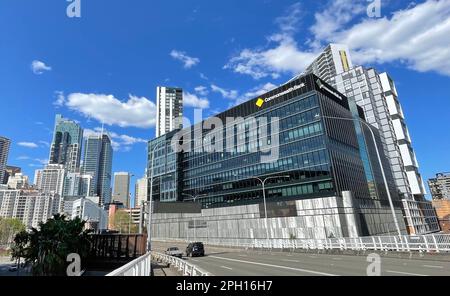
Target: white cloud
x: 136, y: 112
x: 282, y: 56
x: 192, y: 100
x: 254, y: 92
x: 23, y: 157
x: 39, y: 67
x: 45, y: 143
x: 28, y: 144
x: 228, y: 94
x: 201, y: 90
x: 188, y: 62
x: 417, y: 36
x: 259, y: 90
x: 42, y: 161
x: 60, y: 99
x: 119, y: 142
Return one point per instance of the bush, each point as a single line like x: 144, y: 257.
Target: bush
x: 46, y: 249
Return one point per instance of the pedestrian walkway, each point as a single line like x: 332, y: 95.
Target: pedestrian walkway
x: 161, y: 269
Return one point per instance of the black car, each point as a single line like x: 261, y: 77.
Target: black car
x: 195, y: 249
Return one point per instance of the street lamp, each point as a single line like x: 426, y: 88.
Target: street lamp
x: 129, y: 205
x: 194, y: 197
x: 391, y: 204
x: 263, y: 182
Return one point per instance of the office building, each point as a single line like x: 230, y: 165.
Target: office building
x: 141, y: 192
x: 66, y: 144
x: 169, y: 109
x: 440, y: 186
x: 121, y: 192
x: 335, y: 59
x: 376, y: 94
x: 4, y: 151
x: 320, y: 187
x: 10, y: 172
x: 88, y: 209
x: 163, y: 185
x: 97, y: 162
x: 128, y: 222
x: 29, y: 206
x: 77, y: 184
x: 442, y: 207
x: 50, y: 179
x: 18, y: 181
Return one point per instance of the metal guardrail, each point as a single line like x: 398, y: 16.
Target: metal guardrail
x: 142, y: 266
x: 431, y: 243
x: 183, y: 266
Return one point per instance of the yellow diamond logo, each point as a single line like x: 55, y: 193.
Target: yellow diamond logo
x: 259, y: 102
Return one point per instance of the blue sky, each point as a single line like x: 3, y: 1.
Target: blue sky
x: 105, y: 66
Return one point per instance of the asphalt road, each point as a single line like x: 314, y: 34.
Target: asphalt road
x: 234, y: 262
x: 5, y: 264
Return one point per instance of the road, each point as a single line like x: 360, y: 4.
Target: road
x: 5, y: 264
x: 235, y: 262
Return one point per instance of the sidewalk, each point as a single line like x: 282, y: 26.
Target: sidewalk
x: 161, y: 269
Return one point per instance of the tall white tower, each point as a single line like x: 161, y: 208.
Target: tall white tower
x: 169, y: 113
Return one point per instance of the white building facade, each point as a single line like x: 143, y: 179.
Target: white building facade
x: 169, y: 109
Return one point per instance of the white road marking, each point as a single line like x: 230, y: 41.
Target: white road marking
x: 310, y: 256
x: 337, y: 258
x: 433, y: 266
x: 229, y: 268
x: 276, y: 266
x: 242, y: 255
x: 406, y: 273
x: 194, y: 260
x: 289, y: 260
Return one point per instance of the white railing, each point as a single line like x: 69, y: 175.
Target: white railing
x: 183, y: 266
x: 431, y: 243
x: 142, y: 266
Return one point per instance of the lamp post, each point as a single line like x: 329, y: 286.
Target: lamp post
x: 263, y: 182
x: 129, y: 204
x: 362, y: 122
x: 194, y: 197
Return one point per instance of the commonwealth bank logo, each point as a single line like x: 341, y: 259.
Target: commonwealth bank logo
x: 259, y: 102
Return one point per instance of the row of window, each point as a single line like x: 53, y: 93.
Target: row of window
x: 296, y: 162
x: 285, y: 137
x: 297, y: 147
x: 304, y: 190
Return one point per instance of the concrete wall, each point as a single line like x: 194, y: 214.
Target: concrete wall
x: 316, y: 219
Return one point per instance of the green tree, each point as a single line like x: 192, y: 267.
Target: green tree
x: 122, y: 222
x: 9, y: 227
x: 46, y: 248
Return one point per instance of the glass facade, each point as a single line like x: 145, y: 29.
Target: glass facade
x: 164, y: 161
x: 317, y: 156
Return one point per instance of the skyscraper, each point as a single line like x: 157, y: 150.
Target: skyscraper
x: 169, y: 112
x: 440, y: 186
x: 376, y: 94
x: 121, y: 191
x: 97, y: 162
x: 141, y: 191
x: 4, y: 150
x: 50, y: 179
x: 66, y: 145
x: 334, y: 60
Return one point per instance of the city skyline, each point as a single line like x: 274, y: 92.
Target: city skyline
x: 210, y: 77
